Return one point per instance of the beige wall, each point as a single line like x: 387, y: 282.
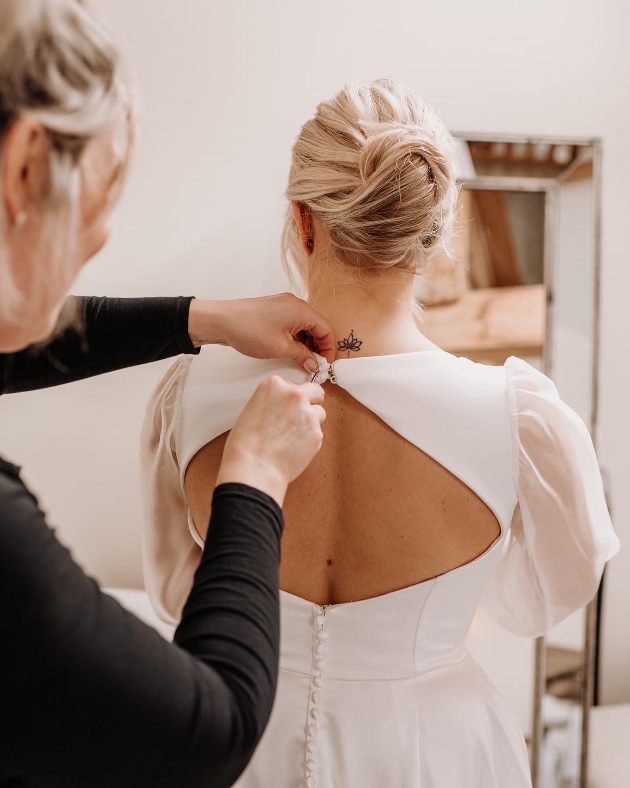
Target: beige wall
x: 225, y: 86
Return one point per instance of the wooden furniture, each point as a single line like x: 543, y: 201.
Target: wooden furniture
x: 490, y: 324
x: 564, y: 673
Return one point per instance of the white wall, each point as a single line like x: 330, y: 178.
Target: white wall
x: 226, y: 85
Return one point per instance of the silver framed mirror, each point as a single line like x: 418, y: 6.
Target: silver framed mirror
x: 524, y: 279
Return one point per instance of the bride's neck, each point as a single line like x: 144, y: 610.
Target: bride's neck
x: 370, y: 314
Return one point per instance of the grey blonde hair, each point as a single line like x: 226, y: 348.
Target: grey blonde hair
x: 376, y: 167
x: 59, y: 66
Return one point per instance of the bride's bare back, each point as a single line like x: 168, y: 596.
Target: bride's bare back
x: 370, y: 515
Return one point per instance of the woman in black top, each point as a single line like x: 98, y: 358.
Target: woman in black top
x: 90, y: 696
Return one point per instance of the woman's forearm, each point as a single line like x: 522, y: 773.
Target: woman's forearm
x: 96, y: 698
x: 112, y: 333
x: 231, y: 623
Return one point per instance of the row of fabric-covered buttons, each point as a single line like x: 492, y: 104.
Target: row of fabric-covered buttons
x: 317, y: 682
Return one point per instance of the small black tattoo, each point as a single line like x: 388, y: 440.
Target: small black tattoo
x: 350, y: 344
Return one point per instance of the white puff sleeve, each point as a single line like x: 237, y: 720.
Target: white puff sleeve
x: 170, y: 554
x: 561, y: 534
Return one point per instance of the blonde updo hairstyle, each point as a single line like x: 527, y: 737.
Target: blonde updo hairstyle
x: 59, y: 66
x: 375, y: 166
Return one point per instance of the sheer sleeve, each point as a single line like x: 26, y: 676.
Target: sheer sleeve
x: 561, y: 535
x: 170, y: 555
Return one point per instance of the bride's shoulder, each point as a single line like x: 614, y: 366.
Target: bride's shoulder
x: 513, y: 371
x: 463, y: 367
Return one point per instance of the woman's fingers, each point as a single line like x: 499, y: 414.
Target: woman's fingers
x: 303, y: 357
x: 308, y: 322
x: 321, y: 331
x: 314, y: 392
x: 280, y: 326
x: 276, y: 436
x: 320, y: 413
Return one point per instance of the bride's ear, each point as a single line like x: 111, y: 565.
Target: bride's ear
x: 304, y: 220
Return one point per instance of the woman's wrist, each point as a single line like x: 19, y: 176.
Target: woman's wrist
x: 206, y: 322
x: 254, y: 474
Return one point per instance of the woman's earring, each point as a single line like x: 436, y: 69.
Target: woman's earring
x: 20, y: 220
x: 310, y: 244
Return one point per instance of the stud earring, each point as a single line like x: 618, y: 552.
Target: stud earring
x: 20, y: 220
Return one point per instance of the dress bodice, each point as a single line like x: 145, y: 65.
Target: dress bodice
x: 456, y: 411
x: 502, y: 430
x: 396, y: 635
x: 383, y: 691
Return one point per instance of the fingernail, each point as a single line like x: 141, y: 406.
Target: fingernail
x: 311, y: 366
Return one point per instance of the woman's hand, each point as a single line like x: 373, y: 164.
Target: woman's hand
x: 279, y: 326
x: 275, y: 438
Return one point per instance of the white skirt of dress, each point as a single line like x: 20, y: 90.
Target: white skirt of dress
x: 344, y: 719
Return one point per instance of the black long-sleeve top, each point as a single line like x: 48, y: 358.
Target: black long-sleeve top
x: 110, y: 333
x: 89, y: 695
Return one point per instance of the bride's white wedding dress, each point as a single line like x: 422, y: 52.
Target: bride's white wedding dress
x: 383, y: 693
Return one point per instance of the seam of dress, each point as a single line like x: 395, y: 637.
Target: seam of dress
x: 420, y: 612
x: 411, y: 677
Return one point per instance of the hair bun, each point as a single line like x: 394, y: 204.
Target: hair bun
x: 376, y: 166
x: 392, y: 146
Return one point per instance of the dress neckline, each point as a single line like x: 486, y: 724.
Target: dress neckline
x: 327, y: 370
x: 392, y: 355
